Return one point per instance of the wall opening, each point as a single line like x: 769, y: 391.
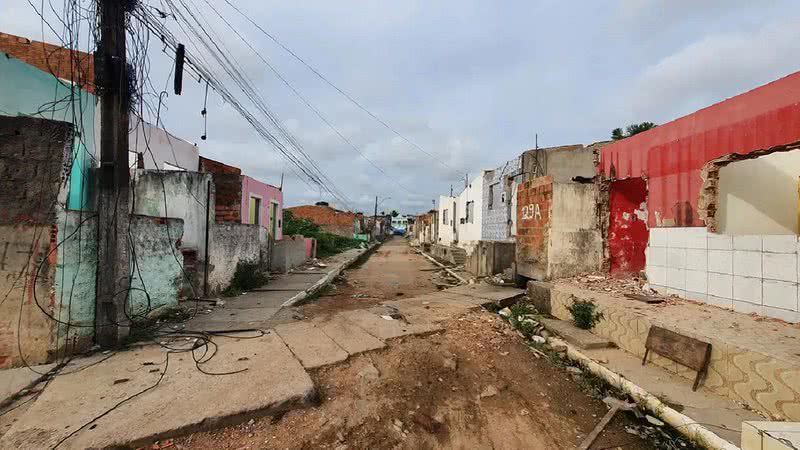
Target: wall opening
x: 627, y: 227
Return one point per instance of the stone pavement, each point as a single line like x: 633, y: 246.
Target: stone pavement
x: 148, y: 393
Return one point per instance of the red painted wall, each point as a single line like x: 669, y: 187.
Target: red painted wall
x: 627, y: 232
x: 671, y: 155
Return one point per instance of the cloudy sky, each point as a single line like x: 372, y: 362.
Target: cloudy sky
x: 470, y: 82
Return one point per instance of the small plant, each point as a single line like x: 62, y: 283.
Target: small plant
x: 584, y: 313
x: 521, y: 309
x: 248, y: 275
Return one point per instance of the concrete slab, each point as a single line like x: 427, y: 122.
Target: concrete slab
x: 185, y: 400
x: 431, y: 308
x: 386, y: 329
x: 350, y: 337
x: 486, y: 293
x: 224, y: 319
x: 702, y: 406
x: 310, y: 345
x: 584, y: 339
x: 14, y: 380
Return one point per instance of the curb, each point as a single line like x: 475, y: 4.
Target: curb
x: 328, y: 279
x: 681, y: 423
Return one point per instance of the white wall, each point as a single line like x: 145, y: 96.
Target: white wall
x: 469, y: 232
x: 748, y: 273
x: 759, y: 196
x: 446, y: 227
x: 156, y: 144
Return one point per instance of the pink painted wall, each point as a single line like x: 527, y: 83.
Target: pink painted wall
x: 310, y: 252
x: 268, y: 194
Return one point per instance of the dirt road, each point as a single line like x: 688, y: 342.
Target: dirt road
x: 475, y: 385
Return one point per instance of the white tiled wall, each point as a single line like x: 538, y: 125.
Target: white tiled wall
x: 750, y: 274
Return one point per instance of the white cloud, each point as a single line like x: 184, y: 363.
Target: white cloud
x: 714, y: 68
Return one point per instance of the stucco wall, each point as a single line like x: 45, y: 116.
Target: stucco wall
x: 447, y: 213
x: 26, y: 90
x: 268, y: 194
x: 759, y: 196
x: 562, y: 163
x: 176, y: 194
x: 158, y: 264
x: 157, y: 147
x: 230, y: 244
x: 498, y: 221
x: 288, y: 253
x: 469, y: 232
x: 576, y: 243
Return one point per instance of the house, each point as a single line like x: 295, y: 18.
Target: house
x: 707, y: 203
x: 243, y: 199
x: 37, y: 74
x: 500, y: 201
x: 557, y: 213
x: 332, y: 220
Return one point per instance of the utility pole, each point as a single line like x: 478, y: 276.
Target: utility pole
x: 113, y: 266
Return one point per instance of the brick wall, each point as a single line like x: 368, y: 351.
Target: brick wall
x: 228, y: 196
x: 534, y: 201
x: 64, y: 63
x: 212, y: 166
x: 329, y: 219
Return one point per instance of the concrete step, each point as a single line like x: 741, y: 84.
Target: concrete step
x: 349, y: 337
x: 574, y: 335
x: 310, y: 345
x: 386, y: 329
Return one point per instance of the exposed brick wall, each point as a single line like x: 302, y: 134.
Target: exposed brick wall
x: 64, y: 63
x: 534, y: 201
x: 228, y: 196
x: 329, y: 219
x: 33, y: 157
x: 212, y: 166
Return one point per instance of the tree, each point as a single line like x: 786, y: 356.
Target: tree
x: 395, y: 213
x: 630, y: 130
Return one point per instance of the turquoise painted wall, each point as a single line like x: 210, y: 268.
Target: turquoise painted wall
x: 76, y: 276
x: 160, y: 263
x: 27, y: 91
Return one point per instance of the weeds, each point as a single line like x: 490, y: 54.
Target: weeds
x: 584, y: 313
x: 248, y: 275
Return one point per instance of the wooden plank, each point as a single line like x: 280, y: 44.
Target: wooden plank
x: 598, y: 429
x: 687, y: 351
x: 645, y: 298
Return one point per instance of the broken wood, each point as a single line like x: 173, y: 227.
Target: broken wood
x: 455, y: 275
x: 599, y: 428
x: 649, y: 299
x: 690, y: 352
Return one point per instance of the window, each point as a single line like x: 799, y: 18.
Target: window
x: 491, y: 195
x: 255, y: 211
x: 444, y: 217
x: 470, y: 212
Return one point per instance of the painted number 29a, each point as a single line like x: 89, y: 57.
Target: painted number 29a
x: 531, y: 211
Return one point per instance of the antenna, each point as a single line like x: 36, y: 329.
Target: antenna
x: 280, y: 188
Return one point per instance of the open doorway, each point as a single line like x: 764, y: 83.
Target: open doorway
x: 627, y: 227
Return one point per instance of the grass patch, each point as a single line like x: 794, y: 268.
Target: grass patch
x: 248, y: 275
x: 328, y: 244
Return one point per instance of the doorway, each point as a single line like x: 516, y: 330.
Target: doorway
x: 627, y: 228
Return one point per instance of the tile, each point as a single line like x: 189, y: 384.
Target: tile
x: 747, y: 289
x: 657, y: 275
x: 676, y: 258
x: 719, y: 241
x: 747, y: 308
x: 676, y: 278
x: 779, y: 243
x: 656, y: 256
x: 720, y: 261
x: 783, y: 314
x: 779, y: 266
x: 747, y: 242
x: 747, y: 263
x: 721, y: 302
x: 658, y: 237
x: 697, y: 259
x: 780, y: 294
x: 697, y: 281
x: 676, y: 237
x: 695, y: 237
x: 720, y: 285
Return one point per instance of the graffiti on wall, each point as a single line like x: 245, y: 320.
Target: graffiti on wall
x: 531, y: 212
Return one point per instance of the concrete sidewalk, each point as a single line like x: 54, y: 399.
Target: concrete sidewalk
x: 256, y: 309
x: 149, y: 393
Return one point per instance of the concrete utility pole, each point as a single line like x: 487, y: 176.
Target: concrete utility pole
x: 375, y: 218
x: 113, y: 267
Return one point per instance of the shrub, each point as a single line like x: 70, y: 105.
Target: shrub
x: 327, y: 243
x: 584, y: 313
x: 248, y: 275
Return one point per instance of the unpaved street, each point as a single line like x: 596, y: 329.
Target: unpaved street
x: 474, y: 385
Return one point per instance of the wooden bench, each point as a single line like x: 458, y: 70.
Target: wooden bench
x: 684, y: 350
